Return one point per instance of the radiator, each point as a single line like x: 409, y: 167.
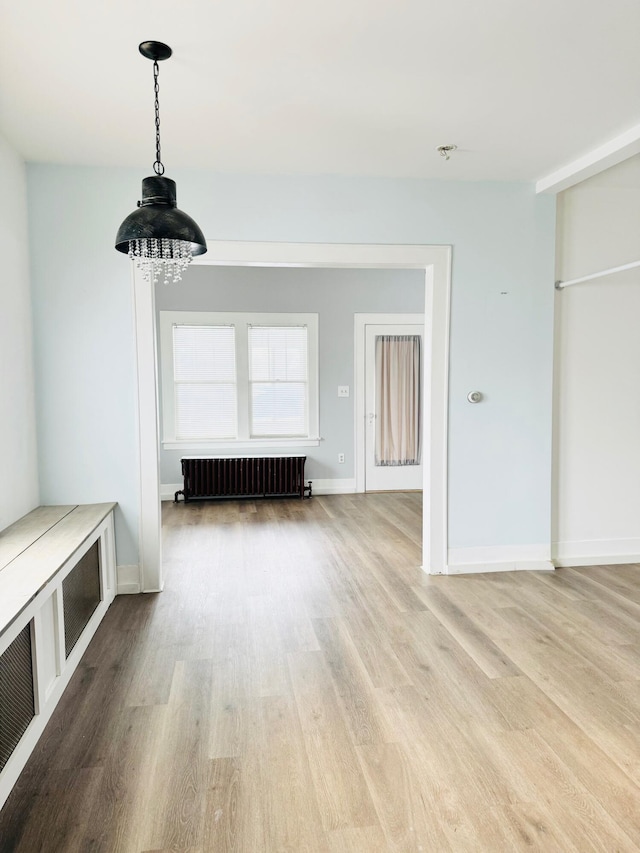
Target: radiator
x: 250, y: 477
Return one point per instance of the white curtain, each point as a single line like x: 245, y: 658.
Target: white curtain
x: 397, y: 400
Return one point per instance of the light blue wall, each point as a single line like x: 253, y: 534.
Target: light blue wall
x: 501, y: 333
x: 335, y: 295
x: 18, y: 458
x: 84, y: 352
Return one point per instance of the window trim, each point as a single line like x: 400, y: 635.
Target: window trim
x: 241, y: 321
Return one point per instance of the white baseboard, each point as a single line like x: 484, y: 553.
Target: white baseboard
x: 168, y: 491
x: 127, y: 580
x: 499, y: 558
x: 334, y: 487
x: 320, y: 487
x: 596, y: 552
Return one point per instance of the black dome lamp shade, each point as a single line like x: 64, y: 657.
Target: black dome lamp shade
x: 161, y: 239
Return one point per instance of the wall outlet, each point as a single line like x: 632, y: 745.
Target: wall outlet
x: 343, y: 390
x: 341, y: 458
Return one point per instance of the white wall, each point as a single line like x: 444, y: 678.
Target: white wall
x: 19, y: 464
x: 597, y: 372
x: 501, y: 325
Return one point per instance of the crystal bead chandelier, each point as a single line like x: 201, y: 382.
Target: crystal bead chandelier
x: 161, y: 239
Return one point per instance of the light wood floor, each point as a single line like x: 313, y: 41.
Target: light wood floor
x: 302, y: 686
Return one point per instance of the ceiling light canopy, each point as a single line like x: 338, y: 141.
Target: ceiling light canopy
x: 445, y: 150
x: 161, y: 239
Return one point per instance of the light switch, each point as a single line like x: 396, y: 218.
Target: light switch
x: 343, y: 390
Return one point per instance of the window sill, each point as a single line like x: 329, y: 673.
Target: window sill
x: 233, y: 446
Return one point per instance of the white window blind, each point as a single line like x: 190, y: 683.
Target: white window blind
x: 204, y: 373
x: 278, y: 381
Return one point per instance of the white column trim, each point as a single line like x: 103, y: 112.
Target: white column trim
x: 434, y: 260
x: 435, y: 524
x: 150, y: 525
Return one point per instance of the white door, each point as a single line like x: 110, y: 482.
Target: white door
x: 383, y: 472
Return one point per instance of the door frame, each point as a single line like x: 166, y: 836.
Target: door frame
x: 361, y: 321
x: 435, y: 261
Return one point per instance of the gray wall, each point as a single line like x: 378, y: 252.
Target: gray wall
x: 501, y: 324
x: 335, y: 295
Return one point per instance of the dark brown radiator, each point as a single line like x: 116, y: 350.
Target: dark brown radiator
x: 250, y: 477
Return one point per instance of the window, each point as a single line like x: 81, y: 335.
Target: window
x: 204, y: 375
x: 231, y: 379
x: 278, y: 380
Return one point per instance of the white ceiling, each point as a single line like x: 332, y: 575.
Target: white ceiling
x: 361, y: 87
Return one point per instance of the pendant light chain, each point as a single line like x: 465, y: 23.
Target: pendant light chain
x: 158, y: 168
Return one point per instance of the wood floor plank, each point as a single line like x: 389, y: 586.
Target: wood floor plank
x: 47, y: 820
x: 268, y: 658
x: 91, y: 698
x: 229, y: 720
x: 529, y: 827
x: 524, y: 704
x: 364, y: 719
x: 374, y: 649
x: 598, y: 773
x: 443, y: 671
x: 403, y: 801
x: 286, y: 781
x: 572, y: 628
x: 340, y: 787
x: 618, y: 624
x: 221, y: 828
x: 69, y: 819
x: 366, y: 838
x: 621, y: 580
x: 293, y: 623
x: 188, y: 849
x: 581, y: 690
x: 359, y: 591
x: 576, y: 815
x: 180, y: 775
x: 124, y: 793
x: 621, y: 744
x: 492, y: 660
x: 565, y: 585
x: 235, y: 807
x: 457, y: 785
x: 302, y: 686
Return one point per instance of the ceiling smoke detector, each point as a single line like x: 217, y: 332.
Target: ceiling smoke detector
x: 445, y: 150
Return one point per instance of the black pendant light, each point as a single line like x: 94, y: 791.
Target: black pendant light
x: 160, y: 238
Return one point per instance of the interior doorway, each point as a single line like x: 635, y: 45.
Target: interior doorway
x: 394, y: 363
x: 435, y: 261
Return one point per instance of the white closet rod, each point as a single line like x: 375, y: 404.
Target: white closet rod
x: 560, y: 285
